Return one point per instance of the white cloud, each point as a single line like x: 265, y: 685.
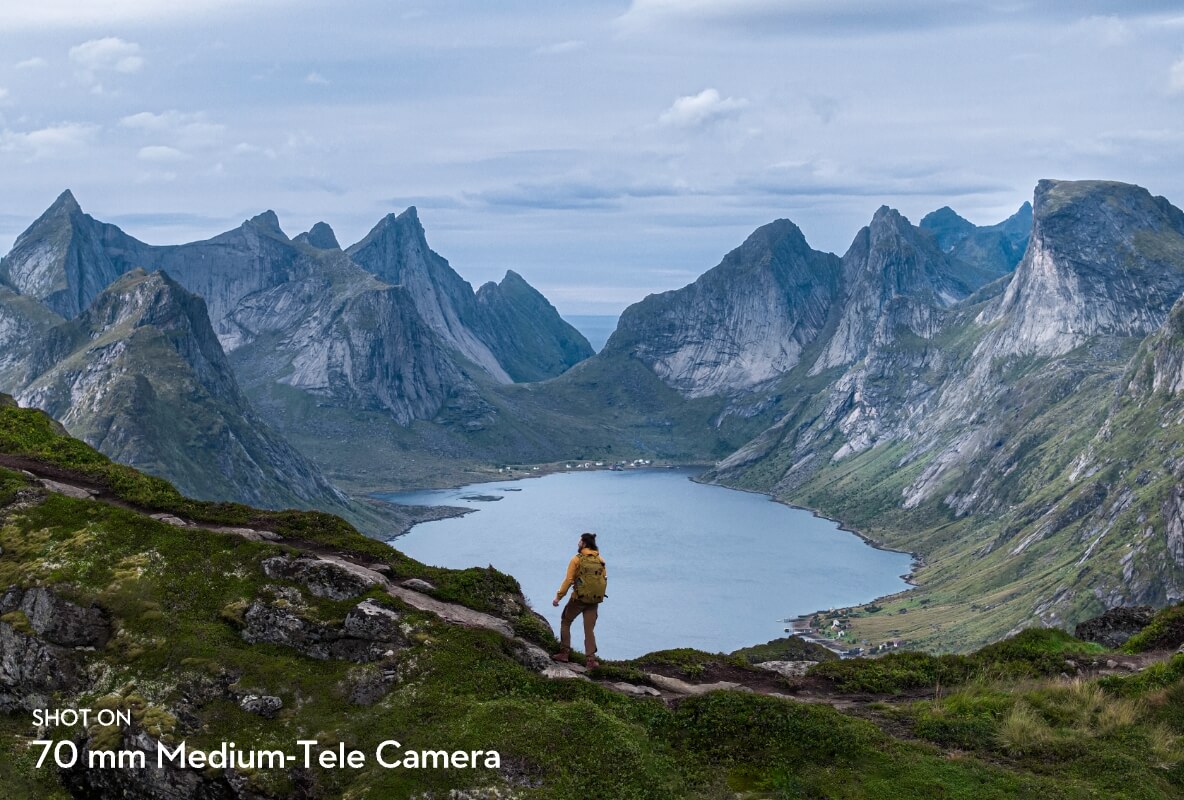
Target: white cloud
x: 559, y: 48
x: 696, y: 109
x: 30, y: 63
x: 317, y: 79
x: 1176, y: 77
x: 1107, y: 31
x: 183, y: 129
x: 49, y: 141
x: 107, y: 54
x: 160, y: 153
x: 245, y: 149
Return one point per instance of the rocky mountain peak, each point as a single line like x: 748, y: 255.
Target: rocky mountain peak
x: 267, y: 222
x: 891, y: 258
x: 62, y: 259
x: 947, y: 227
x: 741, y: 323
x: 65, y: 204
x: 320, y: 236
x: 1105, y: 258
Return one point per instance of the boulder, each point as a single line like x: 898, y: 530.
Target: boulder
x: 264, y: 622
x: 334, y: 580
x: 64, y: 623
x: 265, y: 705
x: 682, y: 687
x: 418, y: 585
x: 1113, y: 628
x: 369, y: 620
x: 789, y: 669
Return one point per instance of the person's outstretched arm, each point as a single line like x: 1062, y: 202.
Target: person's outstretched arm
x: 572, y: 566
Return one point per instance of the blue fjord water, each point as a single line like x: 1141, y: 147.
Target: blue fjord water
x: 689, y: 565
x: 595, y: 327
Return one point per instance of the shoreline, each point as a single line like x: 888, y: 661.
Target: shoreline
x: 798, y: 626
x: 451, y: 512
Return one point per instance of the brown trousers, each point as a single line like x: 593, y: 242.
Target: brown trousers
x: 572, y: 610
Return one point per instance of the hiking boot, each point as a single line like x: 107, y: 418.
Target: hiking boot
x: 561, y: 656
x: 591, y: 663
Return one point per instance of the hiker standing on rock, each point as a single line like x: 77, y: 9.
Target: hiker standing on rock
x: 587, y: 574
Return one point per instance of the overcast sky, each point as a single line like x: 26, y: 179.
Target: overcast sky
x: 605, y: 150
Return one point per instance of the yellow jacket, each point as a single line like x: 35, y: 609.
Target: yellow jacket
x: 573, y: 566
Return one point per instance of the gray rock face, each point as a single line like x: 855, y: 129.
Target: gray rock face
x: 1105, y: 259
x: 1112, y: 629
x: 57, y: 620
x: 891, y: 259
x: 266, y: 706
x: 369, y: 620
x: 396, y: 251
x: 329, y: 579
x: 264, y: 622
x: 151, y: 783
x: 66, y: 258
x: 31, y: 670
x: 531, y: 341
x: 740, y: 324
x: 788, y: 669
x: 140, y: 376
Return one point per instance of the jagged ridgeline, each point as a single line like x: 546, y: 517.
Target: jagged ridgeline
x: 172, y: 371
x: 1001, y: 400
x: 214, y: 623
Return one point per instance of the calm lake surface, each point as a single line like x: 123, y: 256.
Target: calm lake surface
x: 689, y: 565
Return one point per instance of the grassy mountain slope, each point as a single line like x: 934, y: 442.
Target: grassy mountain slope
x: 176, y: 658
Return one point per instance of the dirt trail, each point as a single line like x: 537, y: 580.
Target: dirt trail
x: 662, y: 681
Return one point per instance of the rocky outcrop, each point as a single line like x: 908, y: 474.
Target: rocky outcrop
x: 38, y: 639
x: 740, y: 324
x: 1113, y: 628
x: 57, y: 620
x: 152, y: 783
x: 31, y: 670
x: 370, y: 632
x: 330, y: 579
x: 141, y: 376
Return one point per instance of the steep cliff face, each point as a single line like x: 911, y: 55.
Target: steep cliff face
x: 1104, y: 259
x: 140, y: 376
x: 531, y: 341
x: 742, y: 323
x: 24, y: 324
x: 224, y: 270
x: 396, y: 251
x: 889, y: 259
x: 343, y: 336
x: 66, y: 258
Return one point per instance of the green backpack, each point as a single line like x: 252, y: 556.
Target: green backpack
x: 591, y: 582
